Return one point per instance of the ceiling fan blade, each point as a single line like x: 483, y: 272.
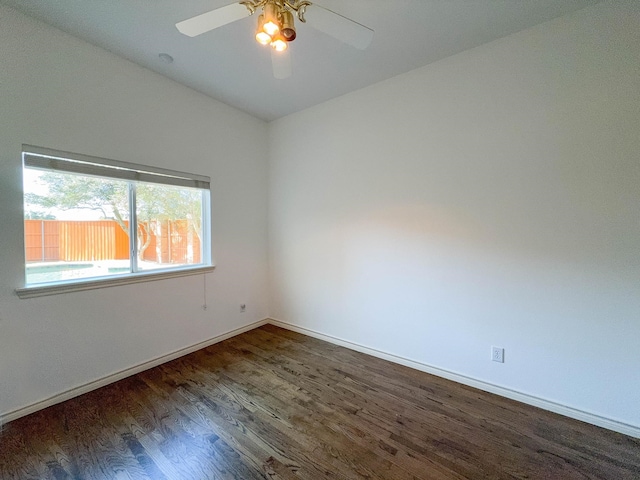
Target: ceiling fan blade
x: 281, y: 63
x: 339, y: 27
x: 212, y: 20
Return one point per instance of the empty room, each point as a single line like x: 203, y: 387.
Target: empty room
x: 276, y: 239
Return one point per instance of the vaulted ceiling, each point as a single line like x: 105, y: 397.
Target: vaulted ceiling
x: 228, y: 64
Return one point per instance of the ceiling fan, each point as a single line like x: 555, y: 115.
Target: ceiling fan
x: 276, y: 27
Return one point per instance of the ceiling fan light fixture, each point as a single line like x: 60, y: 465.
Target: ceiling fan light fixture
x: 279, y: 43
x: 271, y: 25
x: 288, y: 27
x: 262, y: 37
x: 271, y: 28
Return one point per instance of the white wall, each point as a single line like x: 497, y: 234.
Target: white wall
x: 59, y: 92
x: 492, y: 198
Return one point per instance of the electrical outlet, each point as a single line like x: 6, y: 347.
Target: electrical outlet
x: 243, y: 308
x: 497, y: 354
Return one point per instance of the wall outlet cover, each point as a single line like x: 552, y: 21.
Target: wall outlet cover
x: 497, y: 354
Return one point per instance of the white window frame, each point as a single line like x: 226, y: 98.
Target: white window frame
x: 66, y: 162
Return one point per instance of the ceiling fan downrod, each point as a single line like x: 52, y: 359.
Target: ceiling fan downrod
x: 298, y: 6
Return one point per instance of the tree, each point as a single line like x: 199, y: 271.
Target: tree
x: 68, y: 191
x: 155, y: 203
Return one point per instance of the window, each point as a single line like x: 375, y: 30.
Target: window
x: 91, y: 221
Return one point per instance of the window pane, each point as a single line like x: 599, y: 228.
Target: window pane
x: 75, y: 226
x: 169, y: 226
x: 84, y: 215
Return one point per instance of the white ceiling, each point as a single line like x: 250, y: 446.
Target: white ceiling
x: 228, y: 64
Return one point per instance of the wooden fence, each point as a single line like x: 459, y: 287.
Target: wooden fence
x: 74, y: 241
x: 173, y: 242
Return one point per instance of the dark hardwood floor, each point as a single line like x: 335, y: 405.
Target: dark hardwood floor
x: 275, y: 404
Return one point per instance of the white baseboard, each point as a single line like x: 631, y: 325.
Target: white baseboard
x: 617, y: 426
x: 127, y: 372
x: 610, y: 424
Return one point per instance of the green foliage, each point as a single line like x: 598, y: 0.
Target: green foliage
x: 38, y: 215
x: 164, y: 202
x: 67, y: 191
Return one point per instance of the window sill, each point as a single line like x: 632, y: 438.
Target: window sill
x: 58, y: 288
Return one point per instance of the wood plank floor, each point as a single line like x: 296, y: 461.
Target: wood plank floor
x: 273, y: 404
